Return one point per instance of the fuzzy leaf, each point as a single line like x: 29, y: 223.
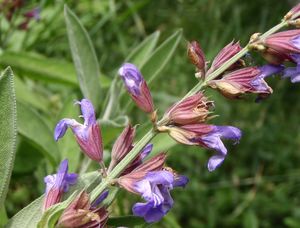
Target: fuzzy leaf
x: 29, y: 216
x: 33, y: 128
x: 141, y: 53
x: 8, y: 132
x: 84, y: 57
x: 40, y: 68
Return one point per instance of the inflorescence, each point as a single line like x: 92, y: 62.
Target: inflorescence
x: 187, y: 121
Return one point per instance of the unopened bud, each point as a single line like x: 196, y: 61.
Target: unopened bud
x: 192, y: 109
x: 197, y: 57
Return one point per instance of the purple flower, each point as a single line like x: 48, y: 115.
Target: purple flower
x: 155, y: 189
x: 293, y: 72
x: 207, y: 136
x: 137, y: 87
x: 57, y: 184
x: 246, y: 80
x: 213, y: 141
x: 88, y: 134
x: 100, y: 199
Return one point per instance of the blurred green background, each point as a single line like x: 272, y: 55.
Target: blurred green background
x: 257, y: 186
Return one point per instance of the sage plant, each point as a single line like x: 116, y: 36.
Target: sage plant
x: 189, y: 121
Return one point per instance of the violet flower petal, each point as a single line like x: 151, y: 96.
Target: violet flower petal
x: 132, y: 78
x: 214, y: 162
x: 100, y: 199
x: 87, y: 111
x: 180, y: 181
x: 146, y: 150
x: 213, y: 141
x: 296, y: 42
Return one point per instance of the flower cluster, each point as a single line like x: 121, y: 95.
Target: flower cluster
x: 148, y: 178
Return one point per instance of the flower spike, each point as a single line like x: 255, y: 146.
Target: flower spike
x: 88, y: 134
x: 137, y: 87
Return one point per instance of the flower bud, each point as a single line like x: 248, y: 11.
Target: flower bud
x: 193, y: 109
x: 246, y: 80
x: 286, y: 41
x: 197, y: 57
x: 123, y: 144
x: 122, y: 147
x: 137, y: 87
x: 280, y: 46
x: 80, y: 214
x: 224, y: 55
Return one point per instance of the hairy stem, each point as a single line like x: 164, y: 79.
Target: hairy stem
x: 151, y: 134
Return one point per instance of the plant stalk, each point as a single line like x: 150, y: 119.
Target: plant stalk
x: 151, y: 133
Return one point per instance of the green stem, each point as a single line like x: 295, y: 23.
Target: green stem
x: 151, y: 134
x: 123, y: 164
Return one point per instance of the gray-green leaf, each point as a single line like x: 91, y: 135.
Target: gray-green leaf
x: 141, y: 53
x: 33, y: 128
x: 29, y: 216
x: 84, y: 57
x: 8, y: 126
x: 161, y: 56
x: 40, y: 67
